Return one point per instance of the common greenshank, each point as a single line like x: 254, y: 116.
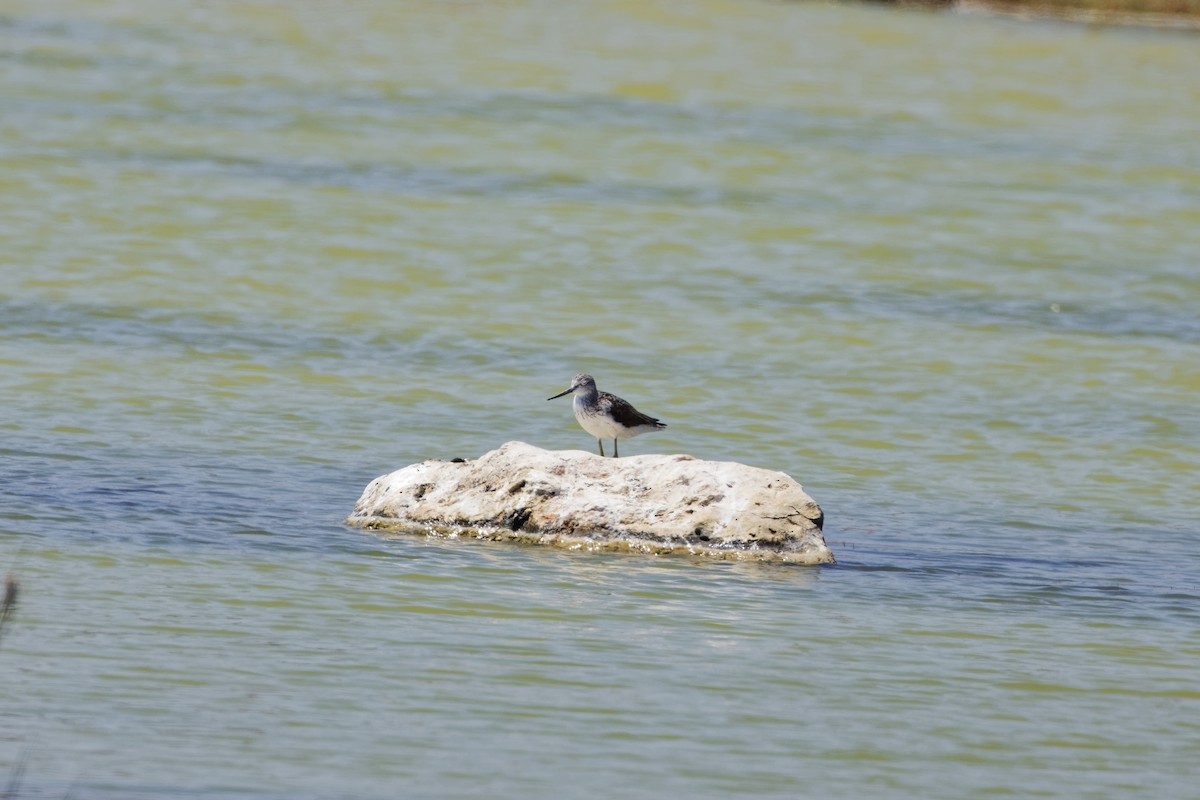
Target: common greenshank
x: 605, y: 415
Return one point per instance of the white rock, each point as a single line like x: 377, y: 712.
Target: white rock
x: 651, y: 504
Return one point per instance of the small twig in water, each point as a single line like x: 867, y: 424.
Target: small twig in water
x: 11, y: 587
x: 13, y: 788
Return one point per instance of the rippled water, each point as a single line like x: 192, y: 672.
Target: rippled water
x: 940, y: 268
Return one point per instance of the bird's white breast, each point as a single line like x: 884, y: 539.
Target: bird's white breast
x: 602, y: 426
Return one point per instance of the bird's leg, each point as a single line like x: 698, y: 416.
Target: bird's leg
x: 615, y: 449
x: 601, y: 443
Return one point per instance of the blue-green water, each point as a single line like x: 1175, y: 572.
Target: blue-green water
x: 940, y: 268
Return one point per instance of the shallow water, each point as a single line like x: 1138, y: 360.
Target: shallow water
x: 940, y: 268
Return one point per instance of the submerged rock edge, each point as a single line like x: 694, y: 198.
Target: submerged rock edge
x: 808, y: 553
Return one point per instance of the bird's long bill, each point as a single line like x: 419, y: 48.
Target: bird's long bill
x: 560, y: 394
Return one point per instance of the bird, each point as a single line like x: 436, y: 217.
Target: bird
x: 605, y: 415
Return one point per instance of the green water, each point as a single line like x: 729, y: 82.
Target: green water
x: 941, y: 268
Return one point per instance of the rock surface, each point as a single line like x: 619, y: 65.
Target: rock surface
x: 650, y: 503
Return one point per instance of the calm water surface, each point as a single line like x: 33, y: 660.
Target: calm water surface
x: 940, y: 268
